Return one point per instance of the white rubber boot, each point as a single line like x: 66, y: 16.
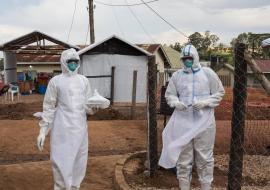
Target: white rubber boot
x: 184, y: 185
x: 205, y: 186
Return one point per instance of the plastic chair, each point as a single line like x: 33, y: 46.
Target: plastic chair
x: 14, y: 89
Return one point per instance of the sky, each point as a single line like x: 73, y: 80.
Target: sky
x: 225, y: 18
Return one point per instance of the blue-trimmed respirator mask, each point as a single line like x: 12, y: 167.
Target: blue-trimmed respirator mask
x: 188, y: 62
x: 72, y: 64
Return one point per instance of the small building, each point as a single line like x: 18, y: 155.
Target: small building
x: 110, y: 65
x: 30, y: 60
x: 32, y: 53
x: 32, y: 64
x: 174, y: 57
x: 226, y: 74
x: 175, y: 61
x: 41, y: 63
x: 162, y: 60
x: 264, y: 65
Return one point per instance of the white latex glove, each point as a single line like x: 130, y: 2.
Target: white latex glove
x: 179, y: 105
x: 98, y: 101
x: 200, y: 105
x: 91, y: 110
x: 95, y: 109
x: 41, y: 137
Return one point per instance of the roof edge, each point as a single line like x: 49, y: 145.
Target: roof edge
x: 2, y: 46
x: 84, y: 50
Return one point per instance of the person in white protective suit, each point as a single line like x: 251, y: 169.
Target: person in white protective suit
x: 64, y: 113
x: 189, y: 136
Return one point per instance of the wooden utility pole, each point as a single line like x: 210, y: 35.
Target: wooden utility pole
x: 91, y: 21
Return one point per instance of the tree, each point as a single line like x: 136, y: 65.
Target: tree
x: 242, y: 38
x: 203, y: 42
x: 177, y: 46
x: 221, y: 45
x: 196, y: 39
x: 253, y: 42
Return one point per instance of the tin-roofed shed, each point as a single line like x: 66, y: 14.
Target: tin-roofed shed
x: 34, y: 43
x: 110, y: 64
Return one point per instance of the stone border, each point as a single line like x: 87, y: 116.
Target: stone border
x: 119, y: 181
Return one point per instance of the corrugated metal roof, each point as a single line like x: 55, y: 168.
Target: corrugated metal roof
x: 151, y: 48
x: 88, y: 48
x: 37, y: 58
x: 47, y: 57
x: 264, y: 65
x: 35, y: 36
x: 173, y: 56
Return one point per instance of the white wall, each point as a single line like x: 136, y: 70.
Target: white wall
x: 93, y: 65
x: 159, y: 62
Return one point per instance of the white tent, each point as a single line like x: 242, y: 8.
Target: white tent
x: 98, y: 59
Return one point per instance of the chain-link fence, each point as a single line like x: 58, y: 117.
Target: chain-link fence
x: 250, y: 131
x: 242, y: 145
x: 243, y: 131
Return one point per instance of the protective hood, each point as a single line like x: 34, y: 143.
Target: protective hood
x: 191, y: 51
x: 66, y: 55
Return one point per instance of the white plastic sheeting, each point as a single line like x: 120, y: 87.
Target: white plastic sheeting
x: 101, y: 64
x: 98, y: 101
x: 266, y: 42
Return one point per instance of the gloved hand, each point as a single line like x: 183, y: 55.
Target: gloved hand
x: 178, y: 105
x: 41, y: 137
x: 200, y: 105
x: 95, y: 109
x: 91, y: 110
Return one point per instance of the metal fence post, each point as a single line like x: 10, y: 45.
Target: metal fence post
x: 134, y: 91
x: 112, y: 84
x: 152, y: 116
x: 238, y: 119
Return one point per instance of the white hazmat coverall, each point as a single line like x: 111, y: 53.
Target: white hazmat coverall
x: 190, y: 132
x: 64, y: 111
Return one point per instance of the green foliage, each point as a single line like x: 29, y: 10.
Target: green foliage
x: 253, y: 42
x: 203, y: 42
x: 196, y: 39
x: 177, y: 46
x: 224, y: 57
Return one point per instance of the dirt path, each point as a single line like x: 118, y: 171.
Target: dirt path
x: 23, y: 167
x: 38, y: 175
x: 18, y: 139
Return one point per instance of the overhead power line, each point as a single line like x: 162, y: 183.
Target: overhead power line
x: 117, y: 21
x: 123, y: 5
x: 140, y: 23
x: 71, y: 25
x: 171, y: 25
